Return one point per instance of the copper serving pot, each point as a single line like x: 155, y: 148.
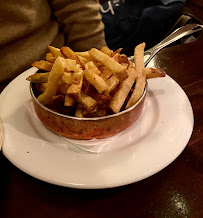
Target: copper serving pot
x: 88, y: 128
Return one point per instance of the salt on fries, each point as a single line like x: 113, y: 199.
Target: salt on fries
x: 93, y: 83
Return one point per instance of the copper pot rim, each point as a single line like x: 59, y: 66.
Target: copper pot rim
x: 89, y: 118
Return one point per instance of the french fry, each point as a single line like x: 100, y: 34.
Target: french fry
x: 83, y: 60
x: 124, y: 88
x: 101, y: 99
x: 86, y: 87
x: 70, y: 65
x: 77, y: 78
x: 67, y: 77
x: 141, y: 78
x: 138, y: 91
x: 88, y: 103
x: 93, y: 78
x: 118, y: 51
x: 106, y: 50
x: 87, y: 113
x: 41, y: 87
x: 98, y: 113
x: 154, y: 73
x: 50, y: 58
x: 62, y: 88
x: 116, y: 57
x: 54, y: 77
x: 106, y: 73
x: 58, y: 99
x: 115, y: 67
x: 92, y: 68
x: 85, y: 54
x: 38, y: 78
x: 55, y: 51
x: 68, y: 53
x: 74, y: 89
x: 68, y: 101
x: 112, y: 82
x: 43, y: 65
x: 123, y: 59
x: 93, y: 83
x: 79, y: 111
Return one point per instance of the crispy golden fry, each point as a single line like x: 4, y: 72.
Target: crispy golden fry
x: 50, y: 58
x: 55, y: 51
x: 92, y: 82
x: 68, y: 53
x: 106, y: 73
x: 38, y: 78
x: 141, y: 78
x: 124, y: 88
x: 97, y: 64
x: 88, y: 103
x: 41, y: 87
x: 54, y: 77
x: 67, y: 77
x: 69, y: 102
x: 118, y: 51
x: 74, y: 89
x: 62, y: 88
x: 123, y: 59
x: 100, y: 113
x: 106, y: 50
x: 87, y: 113
x: 102, y: 99
x: 87, y: 87
x: 77, y: 78
x: 92, y: 68
x: 42, y: 65
x: 93, y: 78
x: 79, y: 111
x: 58, y: 99
x: 112, y: 82
x: 116, y: 68
x: 139, y: 57
x: 83, y: 60
x: 116, y: 57
x: 85, y: 54
x: 70, y: 65
x: 154, y: 73
x: 138, y: 91
x: 97, y: 113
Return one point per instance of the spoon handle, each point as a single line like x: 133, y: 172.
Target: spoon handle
x: 174, y: 36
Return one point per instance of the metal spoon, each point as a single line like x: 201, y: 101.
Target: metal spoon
x: 174, y: 36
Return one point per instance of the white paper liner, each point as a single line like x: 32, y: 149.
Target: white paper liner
x: 93, y: 145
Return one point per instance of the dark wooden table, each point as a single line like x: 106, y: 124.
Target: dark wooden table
x: 176, y: 191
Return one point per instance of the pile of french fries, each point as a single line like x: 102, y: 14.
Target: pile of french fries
x: 93, y: 83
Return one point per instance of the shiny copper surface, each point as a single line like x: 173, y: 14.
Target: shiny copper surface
x: 88, y: 128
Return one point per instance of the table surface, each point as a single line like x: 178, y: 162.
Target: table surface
x: 176, y: 191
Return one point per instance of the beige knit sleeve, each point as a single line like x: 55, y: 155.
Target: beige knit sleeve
x: 81, y: 23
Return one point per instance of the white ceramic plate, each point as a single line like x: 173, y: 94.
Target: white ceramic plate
x: 153, y: 142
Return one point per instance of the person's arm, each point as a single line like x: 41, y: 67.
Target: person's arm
x: 81, y: 23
